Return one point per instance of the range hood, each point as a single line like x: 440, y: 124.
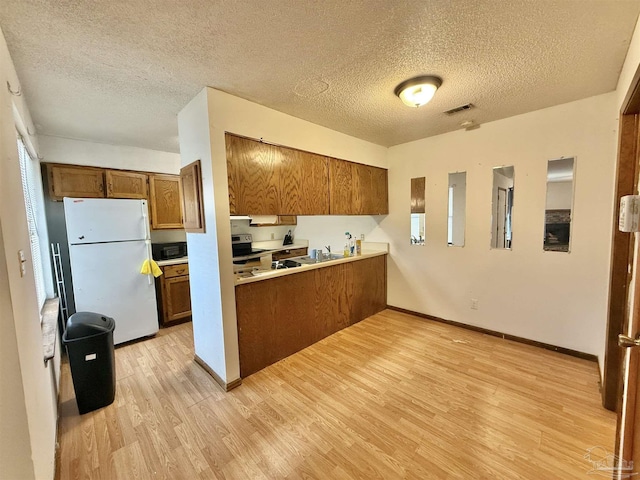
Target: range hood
x: 240, y: 217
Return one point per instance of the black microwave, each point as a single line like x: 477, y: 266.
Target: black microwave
x: 167, y: 251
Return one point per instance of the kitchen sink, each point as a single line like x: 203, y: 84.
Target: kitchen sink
x: 307, y: 260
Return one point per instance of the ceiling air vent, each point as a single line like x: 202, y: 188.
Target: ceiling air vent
x: 461, y: 108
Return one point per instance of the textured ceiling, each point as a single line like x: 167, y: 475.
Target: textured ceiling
x: 120, y: 71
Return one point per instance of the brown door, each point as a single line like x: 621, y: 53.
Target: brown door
x: 629, y: 418
x: 624, y: 308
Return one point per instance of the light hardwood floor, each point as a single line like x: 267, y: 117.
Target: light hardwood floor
x: 391, y: 397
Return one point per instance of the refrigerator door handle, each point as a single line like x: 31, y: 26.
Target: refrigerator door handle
x: 147, y: 236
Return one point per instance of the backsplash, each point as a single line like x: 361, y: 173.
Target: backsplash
x: 166, y: 236
x: 261, y: 234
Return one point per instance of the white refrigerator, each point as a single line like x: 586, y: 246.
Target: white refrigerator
x: 108, y: 244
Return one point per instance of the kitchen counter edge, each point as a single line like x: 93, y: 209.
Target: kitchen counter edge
x: 173, y: 261
x: 306, y: 268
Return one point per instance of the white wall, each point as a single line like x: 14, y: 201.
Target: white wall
x: 559, y: 195
x: 329, y: 230
x: 517, y: 290
x: 210, y: 258
x: 79, y: 152
x: 28, y: 406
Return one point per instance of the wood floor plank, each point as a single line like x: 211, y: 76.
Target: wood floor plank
x: 392, y: 397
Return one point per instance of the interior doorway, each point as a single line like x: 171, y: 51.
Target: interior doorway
x: 621, y: 384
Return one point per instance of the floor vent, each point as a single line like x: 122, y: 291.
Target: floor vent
x: 461, y: 108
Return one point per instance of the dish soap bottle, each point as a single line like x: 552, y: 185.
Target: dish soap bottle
x: 347, y: 250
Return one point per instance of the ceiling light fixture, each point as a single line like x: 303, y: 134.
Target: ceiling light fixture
x: 418, y: 91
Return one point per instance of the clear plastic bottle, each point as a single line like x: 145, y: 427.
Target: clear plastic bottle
x: 347, y: 250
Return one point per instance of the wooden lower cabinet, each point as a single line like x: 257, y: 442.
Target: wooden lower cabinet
x: 173, y: 294
x: 280, y: 316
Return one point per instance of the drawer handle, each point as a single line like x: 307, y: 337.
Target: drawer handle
x: 180, y: 271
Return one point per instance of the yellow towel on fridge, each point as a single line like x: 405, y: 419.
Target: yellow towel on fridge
x: 150, y: 267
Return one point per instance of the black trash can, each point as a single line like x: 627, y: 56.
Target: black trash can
x: 89, y: 341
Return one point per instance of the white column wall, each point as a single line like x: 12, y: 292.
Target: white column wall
x: 28, y: 410
x: 210, y: 258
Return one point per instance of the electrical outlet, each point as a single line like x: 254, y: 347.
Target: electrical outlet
x: 474, y: 304
x: 362, y: 237
x: 273, y: 236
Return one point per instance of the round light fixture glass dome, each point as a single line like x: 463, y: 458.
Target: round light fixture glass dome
x: 418, y: 91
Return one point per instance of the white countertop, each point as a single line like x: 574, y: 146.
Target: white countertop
x: 173, y: 261
x: 267, y: 274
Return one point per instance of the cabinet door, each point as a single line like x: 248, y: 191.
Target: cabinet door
x: 122, y: 184
x: 176, y: 298
x: 304, y: 183
x: 166, y: 201
x: 378, y: 191
x: 192, y: 201
x: 340, y: 187
x: 253, y: 175
x: 357, y: 189
x: 287, y: 220
x: 417, y: 195
x: 68, y: 181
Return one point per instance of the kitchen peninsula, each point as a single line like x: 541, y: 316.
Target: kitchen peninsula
x: 281, y: 312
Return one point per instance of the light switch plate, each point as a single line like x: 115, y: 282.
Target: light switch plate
x: 629, y: 220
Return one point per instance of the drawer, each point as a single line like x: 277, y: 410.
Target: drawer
x: 176, y: 270
x: 293, y: 252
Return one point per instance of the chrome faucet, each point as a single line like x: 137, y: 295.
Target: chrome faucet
x: 320, y: 255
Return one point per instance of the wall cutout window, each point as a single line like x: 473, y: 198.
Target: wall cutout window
x: 417, y: 211
x: 456, y: 211
x: 559, y: 204
x: 502, y: 208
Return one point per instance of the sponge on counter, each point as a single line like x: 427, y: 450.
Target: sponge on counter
x: 150, y: 267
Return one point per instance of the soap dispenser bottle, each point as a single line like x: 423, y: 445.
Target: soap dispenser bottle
x: 347, y: 250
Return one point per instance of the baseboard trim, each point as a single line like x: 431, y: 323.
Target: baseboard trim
x: 225, y: 386
x: 506, y: 336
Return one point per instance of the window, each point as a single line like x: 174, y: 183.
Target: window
x: 29, y: 182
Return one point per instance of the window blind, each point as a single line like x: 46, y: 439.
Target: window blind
x: 27, y: 171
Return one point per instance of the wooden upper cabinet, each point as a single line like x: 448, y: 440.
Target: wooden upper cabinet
x: 165, y: 201
x: 122, y: 184
x: 341, y: 188
x: 253, y: 174
x: 304, y: 183
x: 417, y: 195
x: 379, y: 192
x: 272, y: 180
x: 192, y: 200
x: 357, y: 189
x: 70, y: 181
